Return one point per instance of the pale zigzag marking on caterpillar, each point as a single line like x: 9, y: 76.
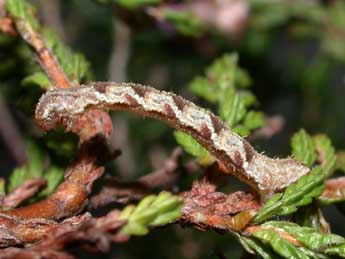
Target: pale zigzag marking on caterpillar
x: 62, y: 106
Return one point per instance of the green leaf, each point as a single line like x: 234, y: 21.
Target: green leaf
x: 132, y: 4
x: 309, y: 237
x: 312, y: 254
x: 255, y: 246
x: 326, y: 153
x: 20, y: 9
x: 190, y: 145
x: 298, y: 194
x: 340, y: 161
x: 2, y: 186
x: 150, y: 212
x: 223, y: 72
x: 223, y: 85
x: 312, y: 239
x: 33, y: 168
x: 338, y: 250
x: 74, y: 65
x: 281, y: 246
x: 185, y: 22
x: 254, y: 120
x: 232, y: 108
x: 54, y: 177
x: 303, y: 147
x: 202, y: 87
x: 38, y: 78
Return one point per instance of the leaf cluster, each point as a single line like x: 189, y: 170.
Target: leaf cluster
x: 152, y: 211
x: 225, y: 86
x: 35, y: 168
x: 75, y: 65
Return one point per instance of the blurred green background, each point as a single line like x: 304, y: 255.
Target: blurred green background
x: 293, y: 51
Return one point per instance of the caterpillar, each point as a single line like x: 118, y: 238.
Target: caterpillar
x: 266, y: 175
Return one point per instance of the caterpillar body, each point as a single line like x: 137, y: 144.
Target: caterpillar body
x: 267, y: 175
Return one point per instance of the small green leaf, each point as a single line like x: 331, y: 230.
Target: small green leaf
x: 326, y: 153
x: 281, y: 246
x: 203, y: 88
x: 309, y: 237
x: 298, y: 194
x: 132, y: 4
x: 74, y: 65
x: 303, y: 147
x: 313, y: 254
x: 2, y: 186
x: 33, y: 168
x: 254, y: 120
x: 337, y: 250
x: 185, y: 22
x: 313, y: 239
x: 224, y: 85
x: 190, y: 145
x: 54, y: 177
x: 340, y: 161
x: 165, y: 218
x: 134, y: 228
x: 38, y: 78
x: 20, y: 9
x: 232, y: 108
x: 151, y: 211
x: 258, y: 247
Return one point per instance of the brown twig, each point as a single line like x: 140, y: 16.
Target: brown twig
x: 94, y: 127
x: 25, y: 191
x: 166, y: 176
x: 335, y: 189
x: 114, y: 191
x: 94, y: 234
x: 207, y: 208
x: 6, y: 23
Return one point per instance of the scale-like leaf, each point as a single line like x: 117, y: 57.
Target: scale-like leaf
x: 337, y: 250
x: 280, y: 245
x: 340, y: 161
x: 309, y: 237
x: 303, y: 147
x: 255, y: 246
x: 190, y: 145
x: 297, y: 194
x: 150, y: 212
x: 326, y: 153
x: 33, y: 168
x: 185, y: 21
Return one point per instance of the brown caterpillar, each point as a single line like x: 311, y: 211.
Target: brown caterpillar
x: 267, y: 175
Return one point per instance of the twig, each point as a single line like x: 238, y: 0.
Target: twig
x: 45, y: 57
x: 206, y: 208
x: 25, y: 191
x: 114, y: 191
x: 7, y: 26
x: 335, y: 189
x: 94, y: 234
x: 167, y: 175
x: 94, y: 127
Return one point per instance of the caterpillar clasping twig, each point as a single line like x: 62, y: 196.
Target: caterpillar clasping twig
x: 267, y: 175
